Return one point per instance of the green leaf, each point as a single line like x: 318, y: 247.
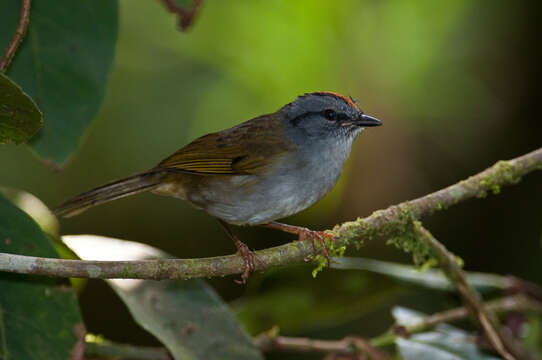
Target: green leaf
x: 63, y: 64
x: 187, y: 316
x: 20, y: 118
x: 445, y: 343
x: 39, y: 316
x: 429, y: 278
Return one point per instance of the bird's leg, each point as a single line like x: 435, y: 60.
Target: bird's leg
x: 304, y: 234
x: 247, y: 255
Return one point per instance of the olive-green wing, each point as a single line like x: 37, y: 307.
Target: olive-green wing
x: 245, y: 149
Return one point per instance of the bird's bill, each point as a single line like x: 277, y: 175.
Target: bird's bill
x: 367, y: 121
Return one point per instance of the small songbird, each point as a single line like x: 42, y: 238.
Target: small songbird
x: 264, y: 169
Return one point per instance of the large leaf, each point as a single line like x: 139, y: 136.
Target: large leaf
x: 187, y: 316
x: 20, y: 118
x: 63, y: 64
x: 444, y: 343
x: 39, y: 317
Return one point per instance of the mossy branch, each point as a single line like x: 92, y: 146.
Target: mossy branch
x: 449, y: 264
x: 390, y: 223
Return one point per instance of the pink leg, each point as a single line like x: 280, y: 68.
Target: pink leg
x: 247, y: 255
x: 304, y: 234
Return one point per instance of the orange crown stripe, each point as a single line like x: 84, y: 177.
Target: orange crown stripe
x: 344, y: 98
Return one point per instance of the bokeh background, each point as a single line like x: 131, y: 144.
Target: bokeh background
x: 456, y: 83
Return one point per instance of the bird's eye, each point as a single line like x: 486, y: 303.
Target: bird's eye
x: 330, y: 114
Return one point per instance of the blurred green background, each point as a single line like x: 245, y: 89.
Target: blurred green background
x: 456, y: 83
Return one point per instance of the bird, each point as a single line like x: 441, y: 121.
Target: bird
x: 254, y: 173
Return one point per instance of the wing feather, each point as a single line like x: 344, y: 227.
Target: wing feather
x: 243, y: 149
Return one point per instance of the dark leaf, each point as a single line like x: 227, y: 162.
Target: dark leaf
x: 63, y: 64
x: 20, y: 118
x: 39, y: 317
x: 187, y: 316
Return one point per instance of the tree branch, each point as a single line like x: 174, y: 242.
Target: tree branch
x: 448, y: 263
x: 382, y: 224
x: 18, y: 36
x: 519, y: 302
x: 348, y: 346
x: 271, y: 341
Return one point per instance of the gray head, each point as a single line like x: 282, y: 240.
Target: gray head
x: 325, y: 115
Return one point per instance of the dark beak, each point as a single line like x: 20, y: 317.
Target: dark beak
x: 366, y: 121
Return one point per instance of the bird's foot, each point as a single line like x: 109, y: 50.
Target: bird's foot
x: 312, y: 235
x: 305, y: 234
x: 249, y: 258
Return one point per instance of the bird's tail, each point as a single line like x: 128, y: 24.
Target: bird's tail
x: 125, y: 187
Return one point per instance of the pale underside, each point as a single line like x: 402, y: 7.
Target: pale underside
x: 265, y: 180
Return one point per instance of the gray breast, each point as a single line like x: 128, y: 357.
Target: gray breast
x: 290, y: 186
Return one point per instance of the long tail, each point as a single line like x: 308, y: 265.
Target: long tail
x: 112, y: 191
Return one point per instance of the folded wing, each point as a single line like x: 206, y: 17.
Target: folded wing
x: 245, y: 149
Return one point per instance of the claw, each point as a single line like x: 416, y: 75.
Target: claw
x: 248, y: 257
x: 250, y: 260
x: 305, y: 234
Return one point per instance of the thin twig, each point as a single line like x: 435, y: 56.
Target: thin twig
x: 186, y: 15
x: 18, y: 36
x: 519, y: 302
x: 271, y: 341
x: 448, y: 263
x: 382, y: 224
x: 349, y: 345
x: 108, y: 349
